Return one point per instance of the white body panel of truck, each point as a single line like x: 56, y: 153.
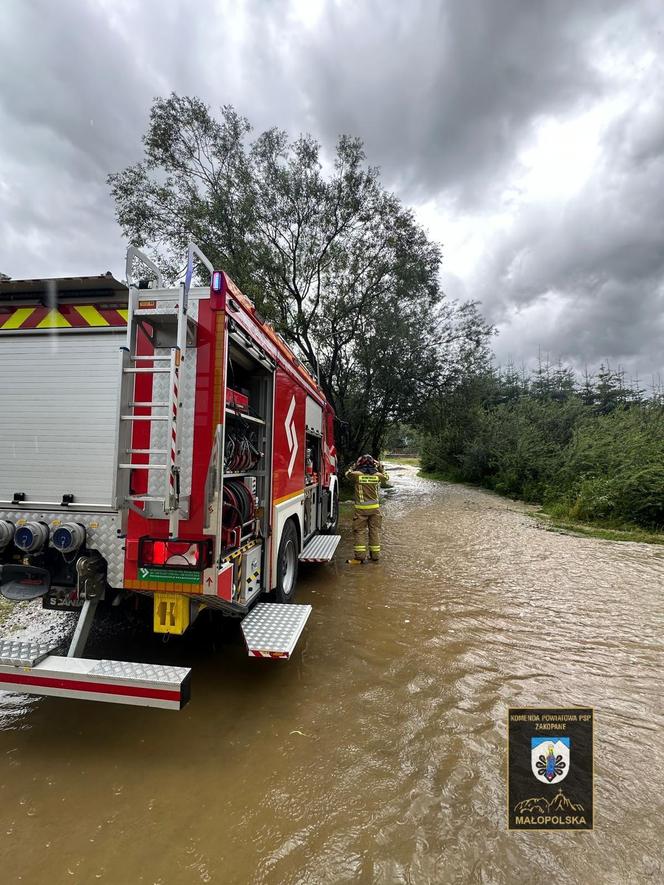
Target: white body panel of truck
x: 59, y: 402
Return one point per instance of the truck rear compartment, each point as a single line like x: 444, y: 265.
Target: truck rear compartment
x: 59, y: 402
x: 139, y: 457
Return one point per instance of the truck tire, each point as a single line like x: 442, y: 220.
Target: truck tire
x: 287, y: 563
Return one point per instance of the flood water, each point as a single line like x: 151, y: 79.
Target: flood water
x: 378, y: 753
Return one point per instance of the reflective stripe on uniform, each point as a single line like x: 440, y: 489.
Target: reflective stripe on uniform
x: 371, y: 482
x: 374, y: 549
x: 373, y: 506
x: 360, y: 548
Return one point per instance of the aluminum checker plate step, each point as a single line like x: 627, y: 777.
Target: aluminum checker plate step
x: 117, y: 682
x: 321, y: 548
x: 155, y: 673
x: 272, y: 629
x: 24, y: 654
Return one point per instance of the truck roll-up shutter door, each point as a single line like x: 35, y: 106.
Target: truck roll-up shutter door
x: 246, y: 343
x: 58, y: 407
x: 314, y: 417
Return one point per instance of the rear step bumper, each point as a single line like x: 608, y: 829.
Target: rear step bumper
x: 271, y: 630
x: 29, y: 668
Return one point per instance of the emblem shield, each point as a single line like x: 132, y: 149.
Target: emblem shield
x: 550, y: 758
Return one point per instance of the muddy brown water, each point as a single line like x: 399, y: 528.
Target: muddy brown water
x: 378, y: 753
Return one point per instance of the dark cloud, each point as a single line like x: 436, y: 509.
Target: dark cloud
x: 447, y: 97
x: 443, y: 91
x: 587, y: 274
x: 76, y: 83
x: 72, y: 106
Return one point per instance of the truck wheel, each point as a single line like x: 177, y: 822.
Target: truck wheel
x: 333, y: 524
x: 287, y: 562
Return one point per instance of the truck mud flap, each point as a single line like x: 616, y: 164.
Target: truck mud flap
x: 272, y: 629
x: 30, y: 668
x: 24, y: 582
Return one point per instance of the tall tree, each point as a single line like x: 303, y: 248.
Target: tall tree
x: 338, y: 264
x: 193, y: 183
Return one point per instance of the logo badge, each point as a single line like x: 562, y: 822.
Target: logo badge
x: 547, y: 789
x: 549, y: 758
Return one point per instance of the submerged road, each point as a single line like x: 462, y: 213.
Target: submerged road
x: 378, y: 753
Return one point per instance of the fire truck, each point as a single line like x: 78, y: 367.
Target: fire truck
x: 156, y: 441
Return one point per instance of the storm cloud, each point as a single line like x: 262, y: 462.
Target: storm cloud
x: 528, y: 136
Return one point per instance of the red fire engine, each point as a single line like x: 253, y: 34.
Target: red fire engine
x: 157, y: 441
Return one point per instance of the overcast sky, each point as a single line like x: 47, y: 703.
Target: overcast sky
x: 527, y: 134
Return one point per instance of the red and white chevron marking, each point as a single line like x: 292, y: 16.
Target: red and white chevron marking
x: 175, y: 392
x: 255, y: 653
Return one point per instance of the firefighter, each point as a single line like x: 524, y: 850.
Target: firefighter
x: 367, y: 475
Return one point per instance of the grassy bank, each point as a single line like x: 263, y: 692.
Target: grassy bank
x: 606, y: 530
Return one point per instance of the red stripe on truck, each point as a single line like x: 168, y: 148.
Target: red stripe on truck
x: 160, y: 694
x: 35, y: 318
x: 72, y: 316
x: 112, y: 317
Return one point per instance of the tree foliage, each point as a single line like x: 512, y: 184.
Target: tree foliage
x: 338, y: 264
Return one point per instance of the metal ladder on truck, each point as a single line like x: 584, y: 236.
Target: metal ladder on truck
x: 171, y: 330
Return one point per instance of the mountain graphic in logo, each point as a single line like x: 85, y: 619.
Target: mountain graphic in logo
x: 542, y: 805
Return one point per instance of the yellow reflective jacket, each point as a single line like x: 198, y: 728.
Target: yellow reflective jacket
x: 366, y: 488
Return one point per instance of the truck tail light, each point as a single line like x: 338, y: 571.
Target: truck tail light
x: 175, y: 553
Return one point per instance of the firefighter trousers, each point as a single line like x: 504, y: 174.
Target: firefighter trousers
x: 363, y: 520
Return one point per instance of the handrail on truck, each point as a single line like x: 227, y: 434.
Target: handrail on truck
x: 134, y: 254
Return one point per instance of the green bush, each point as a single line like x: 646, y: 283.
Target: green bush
x: 565, y: 449
x: 594, y: 501
x: 635, y: 495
